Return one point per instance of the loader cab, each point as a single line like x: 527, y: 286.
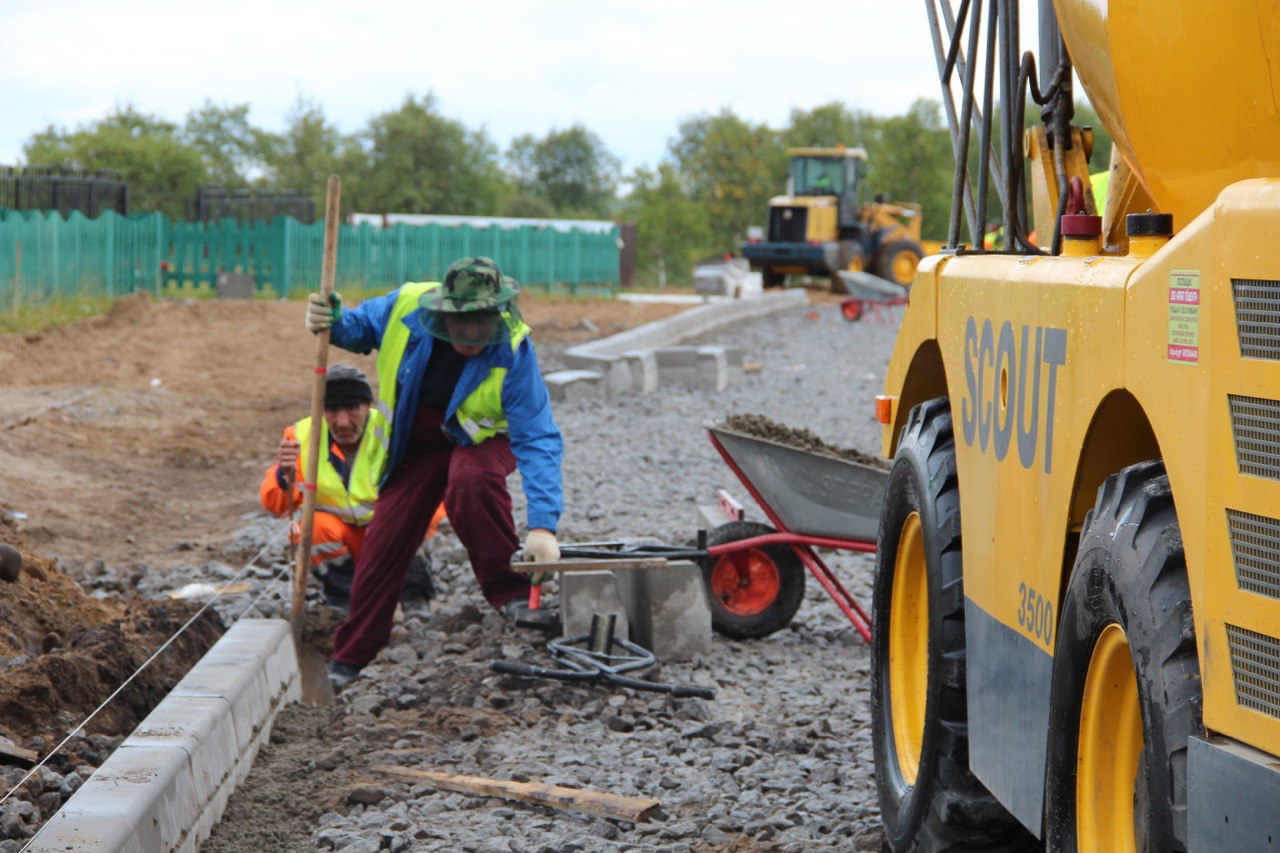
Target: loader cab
x: 839, y: 172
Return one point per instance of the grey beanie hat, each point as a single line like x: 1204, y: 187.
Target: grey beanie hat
x: 345, y: 385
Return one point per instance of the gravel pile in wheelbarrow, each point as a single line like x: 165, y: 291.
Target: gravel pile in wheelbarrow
x: 799, y: 438
x: 781, y: 759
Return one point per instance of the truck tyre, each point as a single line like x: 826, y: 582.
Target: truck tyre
x: 929, y: 799
x: 1126, y: 679
x: 898, y: 261
x: 773, y: 279
x: 752, y: 592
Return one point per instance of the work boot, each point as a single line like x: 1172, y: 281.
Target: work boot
x: 342, y: 674
x: 335, y: 581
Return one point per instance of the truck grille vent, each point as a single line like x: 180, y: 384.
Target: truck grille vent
x: 1255, y: 542
x: 788, y: 224
x: 1256, y: 425
x: 1257, y: 317
x: 1255, y: 662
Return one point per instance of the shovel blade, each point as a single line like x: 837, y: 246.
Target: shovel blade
x: 312, y: 669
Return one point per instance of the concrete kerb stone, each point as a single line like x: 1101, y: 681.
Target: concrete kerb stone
x: 585, y: 594
x: 669, y: 611
x: 574, y: 384
x: 167, y: 784
x: 623, y: 360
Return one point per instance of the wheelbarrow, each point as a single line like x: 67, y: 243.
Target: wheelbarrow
x: 755, y: 573
x: 869, y: 293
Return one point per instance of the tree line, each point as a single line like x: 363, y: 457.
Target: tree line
x: 716, y: 178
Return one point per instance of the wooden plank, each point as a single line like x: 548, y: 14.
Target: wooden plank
x: 11, y: 753
x: 627, y: 564
x: 634, y: 809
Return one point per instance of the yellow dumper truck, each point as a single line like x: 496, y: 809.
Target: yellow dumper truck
x: 1077, y: 594
x: 822, y: 225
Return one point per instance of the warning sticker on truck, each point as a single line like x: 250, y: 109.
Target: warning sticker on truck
x: 1184, y: 317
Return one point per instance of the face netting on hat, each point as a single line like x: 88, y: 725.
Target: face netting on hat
x: 473, y: 328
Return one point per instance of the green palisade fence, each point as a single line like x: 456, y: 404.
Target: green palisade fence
x: 114, y: 255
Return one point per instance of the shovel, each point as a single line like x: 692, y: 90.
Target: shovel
x: 316, y: 689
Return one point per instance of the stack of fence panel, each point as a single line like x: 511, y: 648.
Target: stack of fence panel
x: 112, y: 255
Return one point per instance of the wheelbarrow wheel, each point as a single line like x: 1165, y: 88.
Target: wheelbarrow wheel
x: 754, y: 591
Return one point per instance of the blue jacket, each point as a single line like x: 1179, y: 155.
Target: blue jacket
x: 535, y: 438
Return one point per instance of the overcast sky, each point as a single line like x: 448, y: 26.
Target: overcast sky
x: 628, y: 69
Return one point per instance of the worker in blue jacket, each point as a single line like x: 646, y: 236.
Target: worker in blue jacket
x: 461, y: 404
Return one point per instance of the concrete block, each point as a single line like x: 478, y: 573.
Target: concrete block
x: 713, y: 369
x: 678, y: 366
x: 644, y: 370
x: 570, y: 385
x: 583, y: 594
x: 168, y: 783
x: 734, y: 358
x: 669, y: 612
x: 202, y: 727
x: 140, y: 799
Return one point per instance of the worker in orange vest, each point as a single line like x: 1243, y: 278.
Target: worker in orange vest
x: 345, y: 492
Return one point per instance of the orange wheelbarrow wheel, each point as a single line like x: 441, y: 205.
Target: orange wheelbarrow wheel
x: 754, y: 591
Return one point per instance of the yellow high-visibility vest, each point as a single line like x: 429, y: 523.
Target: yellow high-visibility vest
x: 352, y: 502
x: 480, y: 415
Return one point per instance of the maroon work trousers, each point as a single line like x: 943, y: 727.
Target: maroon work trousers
x: 472, y: 481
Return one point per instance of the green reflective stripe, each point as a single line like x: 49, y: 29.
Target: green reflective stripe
x: 352, y: 502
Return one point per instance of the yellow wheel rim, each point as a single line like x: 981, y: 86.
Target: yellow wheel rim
x: 1109, y: 750
x: 855, y: 264
x: 909, y: 648
x: 904, y: 266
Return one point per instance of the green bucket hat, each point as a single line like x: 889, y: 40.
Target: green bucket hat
x: 472, y: 284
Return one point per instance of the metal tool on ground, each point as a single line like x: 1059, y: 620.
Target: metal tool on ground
x: 535, y: 616
x: 599, y: 656
x: 316, y: 688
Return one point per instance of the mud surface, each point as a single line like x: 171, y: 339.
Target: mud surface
x: 801, y: 439
x: 62, y: 652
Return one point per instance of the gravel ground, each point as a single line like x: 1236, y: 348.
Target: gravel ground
x: 780, y: 760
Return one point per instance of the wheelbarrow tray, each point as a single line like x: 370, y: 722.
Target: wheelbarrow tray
x: 872, y: 288
x: 810, y: 493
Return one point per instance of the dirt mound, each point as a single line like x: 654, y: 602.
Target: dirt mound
x: 62, y: 652
x: 801, y: 439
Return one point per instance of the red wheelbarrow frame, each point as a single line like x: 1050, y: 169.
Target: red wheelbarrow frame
x: 802, y: 544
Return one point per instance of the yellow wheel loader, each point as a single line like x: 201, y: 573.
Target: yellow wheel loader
x: 1076, y: 618
x: 822, y: 226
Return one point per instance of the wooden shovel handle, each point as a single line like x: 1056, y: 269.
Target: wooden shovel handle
x: 297, y: 613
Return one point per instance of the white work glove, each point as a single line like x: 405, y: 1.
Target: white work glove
x: 321, y: 316
x: 540, y: 546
